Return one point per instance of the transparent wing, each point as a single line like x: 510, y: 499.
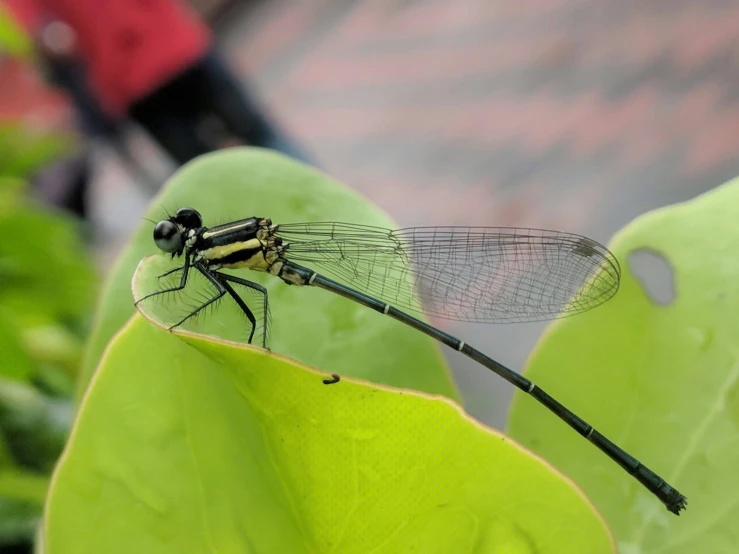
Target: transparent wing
x: 476, y: 274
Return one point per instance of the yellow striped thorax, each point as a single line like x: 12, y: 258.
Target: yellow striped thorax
x: 248, y: 243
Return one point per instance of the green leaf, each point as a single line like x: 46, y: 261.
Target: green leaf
x: 23, y: 486
x: 13, y: 39
x: 18, y: 520
x: 46, y: 271
x: 187, y: 444
x: 662, y: 381
x: 24, y: 151
x: 34, y: 425
x: 55, y: 345
x: 13, y: 191
x: 47, y: 287
x: 313, y: 326
x: 15, y: 362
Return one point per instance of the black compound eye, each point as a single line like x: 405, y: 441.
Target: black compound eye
x: 167, y: 236
x: 188, y: 218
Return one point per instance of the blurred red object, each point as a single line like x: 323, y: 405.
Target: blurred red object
x: 129, y: 47
x: 25, y: 95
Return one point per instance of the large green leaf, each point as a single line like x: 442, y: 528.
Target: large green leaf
x: 187, y: 444
x: 313, y: 326
x: 662, y: 381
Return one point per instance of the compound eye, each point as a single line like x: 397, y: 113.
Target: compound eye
x: 167, y: 237
x: 188, y: 218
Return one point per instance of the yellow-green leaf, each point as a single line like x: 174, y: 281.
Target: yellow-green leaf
x: 187, y: 444
x: 660, y: 378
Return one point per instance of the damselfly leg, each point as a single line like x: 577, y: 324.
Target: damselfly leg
x: 221, y: 283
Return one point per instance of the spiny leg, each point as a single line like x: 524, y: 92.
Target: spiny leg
x: 221, y: 291
x: 170, y: 272
x: 183, y: 281
x: 244, y: 307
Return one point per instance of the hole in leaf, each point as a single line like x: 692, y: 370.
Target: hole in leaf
x: 655, y: 274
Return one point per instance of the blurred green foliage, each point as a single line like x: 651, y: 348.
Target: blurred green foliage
x: 47, y: 288
x: 22, y: 152
x: 13, y: 39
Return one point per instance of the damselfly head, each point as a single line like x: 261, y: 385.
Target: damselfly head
x: 171, y: 234
x: 168, y: 237
x: 188, y: 218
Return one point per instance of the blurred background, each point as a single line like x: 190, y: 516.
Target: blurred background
x: 567, y: 114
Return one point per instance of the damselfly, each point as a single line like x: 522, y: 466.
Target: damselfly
x: 475, y: 274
